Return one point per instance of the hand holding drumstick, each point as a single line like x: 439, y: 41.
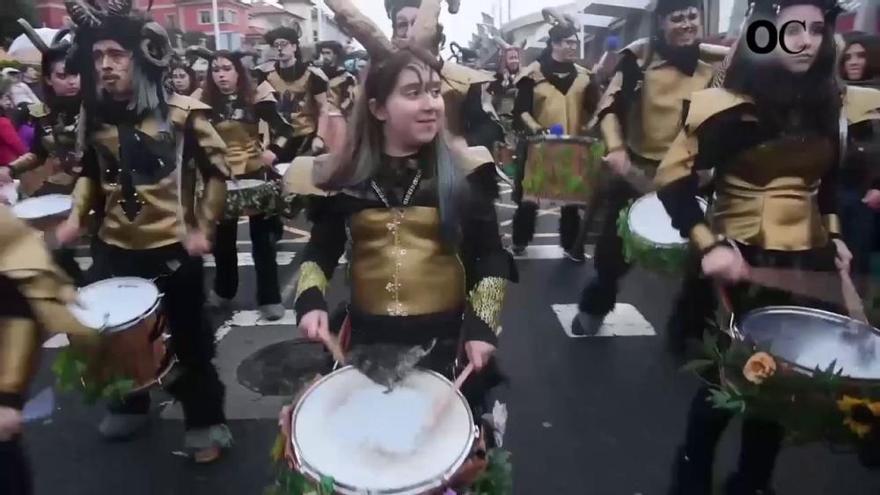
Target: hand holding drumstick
x: 316, y: 326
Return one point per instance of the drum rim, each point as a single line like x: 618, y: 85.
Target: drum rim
x: 565, y: 138
x: 635, y: 234
x: 132, y: 322
x: 36, y: 199
x: 345, y: 489
x: 257, y: 183
x: 828, y: 315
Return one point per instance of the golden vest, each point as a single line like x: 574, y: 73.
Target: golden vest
x: 551, y: 107
x: 297, y: 105
x: 456, y: 82
x: 400, y: 265
x: 160, y: 220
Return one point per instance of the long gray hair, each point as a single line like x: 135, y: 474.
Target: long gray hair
x: 360, y: 159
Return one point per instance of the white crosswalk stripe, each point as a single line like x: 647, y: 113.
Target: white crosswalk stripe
x: 624, y: 321
x: 252, y: 318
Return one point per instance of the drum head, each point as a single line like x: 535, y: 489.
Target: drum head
x: 648, y: 219
x: 115, y: 302
x: 810, y: 337
x: 232, y: 185
x: 42, y: 206
x: 347, y: 427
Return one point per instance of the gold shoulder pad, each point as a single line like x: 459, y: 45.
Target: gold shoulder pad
x: 527, y: 71
x: 639, y: 48
x: 300, y: 177
x: 475, y: 157
x: 708, y: 102
x: 318, y: 72
x: 197, y: 94
x: 265, y: 92
x: 713, y: 54
x: 187, y: 103
x: 38, y: 110
x: 861, y: 104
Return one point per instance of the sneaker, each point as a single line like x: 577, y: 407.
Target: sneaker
x: 122, y: 426
x: 207, y: 444
x: 586, y: 324
x: 575, y: 256
x: 218, y: 302
x: 272, y: 312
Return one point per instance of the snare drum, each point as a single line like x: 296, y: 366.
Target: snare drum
x: 346, y: 427
x: 127, y: 312
x: 649, y: 239
x: 808, y: 338
x: 560, y: 169
x: 247, y: 197
x: 44, y: 212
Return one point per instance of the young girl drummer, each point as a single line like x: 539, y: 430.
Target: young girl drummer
x: 237, y: 109
x: 426, y: 259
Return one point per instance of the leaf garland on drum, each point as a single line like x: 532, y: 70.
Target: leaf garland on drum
x: 71, y: 371
x: 821, y: 405
x: 668, y: 261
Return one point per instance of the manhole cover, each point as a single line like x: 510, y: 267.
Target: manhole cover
x: 282, y: 369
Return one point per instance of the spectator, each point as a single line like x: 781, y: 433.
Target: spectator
x: 11, y: 146
x: 19, y: 92
x: 184, y: 79
x: 31, y: 77
x: 860, y: 64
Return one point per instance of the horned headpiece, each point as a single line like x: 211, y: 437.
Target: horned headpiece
x: 564, y: 25
x: 422, y: 40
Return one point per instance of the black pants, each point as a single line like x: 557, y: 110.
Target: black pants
x: 15, y: 471
x: 761, y: 439
x: 265, y: 232
x: 180, y: 279
x: 599, y: 296
x: 526, y: 216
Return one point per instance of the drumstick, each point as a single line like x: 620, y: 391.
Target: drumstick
x: 332, y: 344
x: 851, y: 298
x: 443, y: 404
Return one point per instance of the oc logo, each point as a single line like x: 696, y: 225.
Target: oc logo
x: 773, y: 37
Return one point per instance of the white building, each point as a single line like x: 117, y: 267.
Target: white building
x: 318, y: 25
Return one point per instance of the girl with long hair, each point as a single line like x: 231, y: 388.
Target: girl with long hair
x: 772, y: 135
x: 237, y: 110
x: 184, y: 80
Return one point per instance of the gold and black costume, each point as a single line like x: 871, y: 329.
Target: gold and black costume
x: 52, y: 165
x: 552, y: 94
x: 34, y: 294
x: 139, y: 174
x: 296, y: 89
x: 237, y: 123
x: 641, y: 112
x: 775, y: 202
x: 409, y: 283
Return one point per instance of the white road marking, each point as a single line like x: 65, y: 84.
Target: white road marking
x: 543, y: 252
x: 251, y: 318
x: 624, y: 321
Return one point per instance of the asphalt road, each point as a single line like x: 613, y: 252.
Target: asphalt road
x: 599, y: 415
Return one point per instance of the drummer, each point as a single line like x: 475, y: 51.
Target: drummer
x: 237, y: 109
x: 771, y: 132
x: 639, y: 115
x: 426, y: 256
x: 33, y: 305
x: 553, y: 94
x: 52, y: 165
x: 301, y: 90
x: 139, y: 170
x: 503, y: 90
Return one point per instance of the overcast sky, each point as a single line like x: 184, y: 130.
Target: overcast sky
x: 461, y: 26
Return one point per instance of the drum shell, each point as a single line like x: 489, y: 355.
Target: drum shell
x: 460, y: 471
x: 48, y: 223
x: 259, y: 200
x: 560, y: 170
x: 136, y: 351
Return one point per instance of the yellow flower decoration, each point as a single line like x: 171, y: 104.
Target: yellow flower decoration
x: 847, y: 404
x: 759, y: 367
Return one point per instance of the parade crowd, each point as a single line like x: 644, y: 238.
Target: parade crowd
x: 752, y: 177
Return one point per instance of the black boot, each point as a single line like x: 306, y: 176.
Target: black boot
x: 524, y: 225
x: 569, y: 227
